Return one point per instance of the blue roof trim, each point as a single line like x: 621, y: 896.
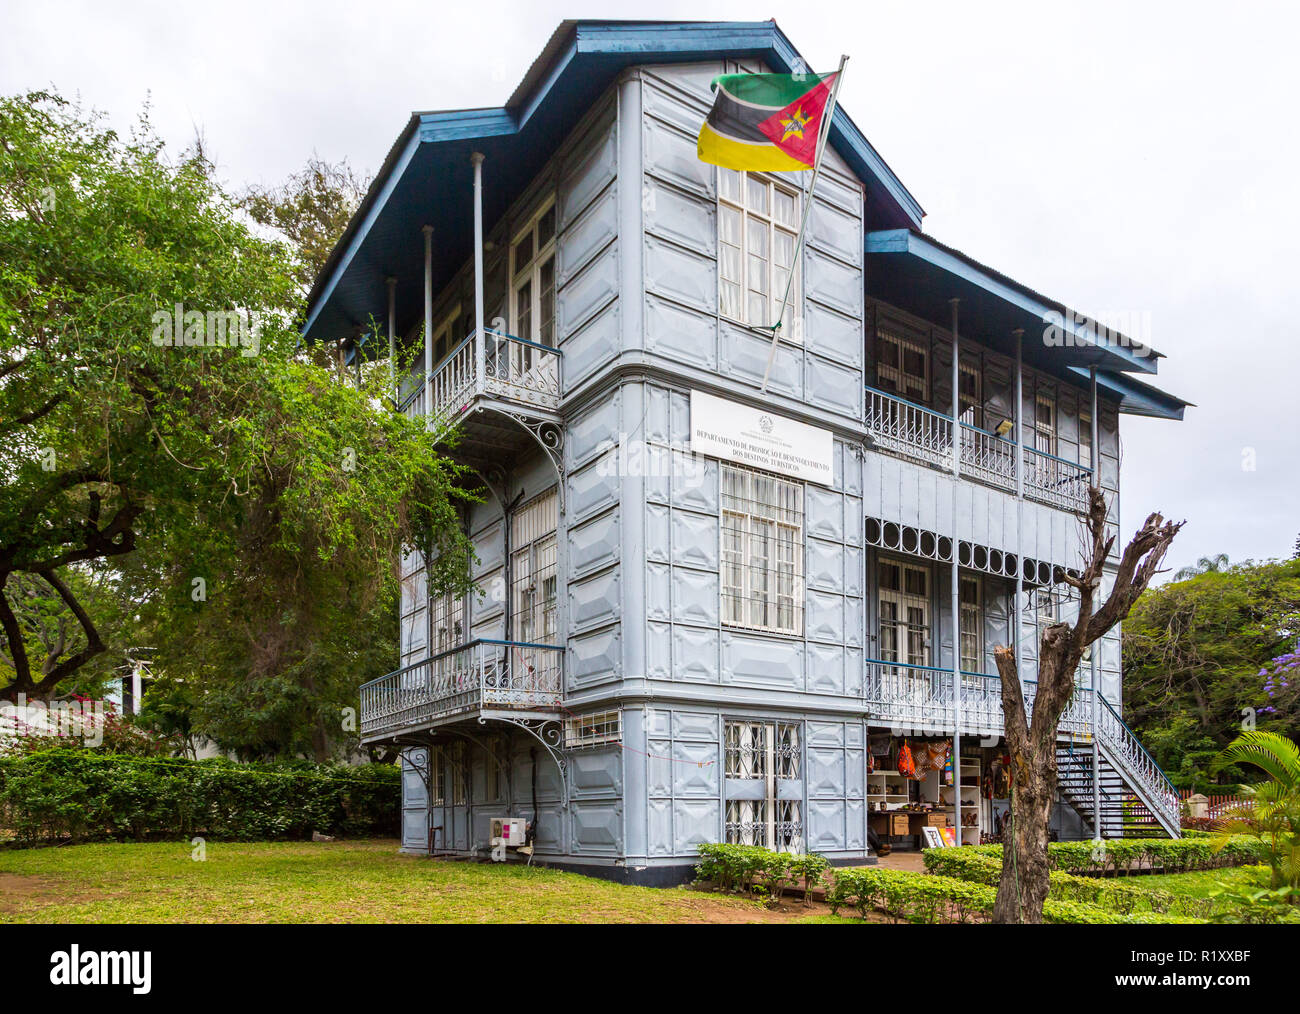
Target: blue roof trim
x: 936, y: 255
x: 578, y: 50
x: 359, y: 234
x: 1137, y: 398
x: 465, y: 124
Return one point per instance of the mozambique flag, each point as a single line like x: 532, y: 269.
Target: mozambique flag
x: 765, y: 122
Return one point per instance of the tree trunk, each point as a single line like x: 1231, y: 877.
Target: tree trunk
x: 1031, y: 742
x: 1025, y: 881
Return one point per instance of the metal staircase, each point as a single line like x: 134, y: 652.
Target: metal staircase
x: 1122, y: 815
x: 1137, y: 798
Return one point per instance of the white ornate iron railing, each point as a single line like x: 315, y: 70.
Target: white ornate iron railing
x: 483, y: 675
x: 1055, y: 481
x: 912, y: 431
x: 908, y: 429
x: 514, y: 370
x: 918, y: 700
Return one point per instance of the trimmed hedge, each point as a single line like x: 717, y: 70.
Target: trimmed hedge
x: 1123, y: 855
x: 757, y: 870
x: 1122, y: 897
x: 73, y: 796
x: 906, y: 896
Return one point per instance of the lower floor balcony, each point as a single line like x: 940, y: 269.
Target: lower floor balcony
x: 480, y: 679
x: 918, y: 700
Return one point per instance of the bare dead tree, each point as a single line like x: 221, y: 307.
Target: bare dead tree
x: 1032, y: 742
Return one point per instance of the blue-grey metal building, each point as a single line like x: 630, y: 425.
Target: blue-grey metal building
x: 709, y: 611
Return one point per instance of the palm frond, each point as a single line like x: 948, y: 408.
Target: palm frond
x: 1275, y: 755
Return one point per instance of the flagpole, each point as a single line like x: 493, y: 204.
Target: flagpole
x: 823, y: 135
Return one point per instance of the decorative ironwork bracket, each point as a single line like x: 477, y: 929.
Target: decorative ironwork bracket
x: 550, y: 437
x: 550, y: 734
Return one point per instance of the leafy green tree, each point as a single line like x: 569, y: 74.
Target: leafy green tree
x: 311, y: 209
x: 158, y: 418
x: 1194, y: 652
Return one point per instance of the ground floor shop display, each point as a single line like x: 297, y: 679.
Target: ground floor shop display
x: 913, y: 785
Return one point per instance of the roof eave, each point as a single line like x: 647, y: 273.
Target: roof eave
x: 1122, y: 354
x: 692, y: 40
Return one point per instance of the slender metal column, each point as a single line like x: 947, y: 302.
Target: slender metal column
x: 1020, y: 501
x: 1095, y: 647
x: 392, y: 336
x: 480, y: 345
x: 956, y: 580
x: 428, y: 326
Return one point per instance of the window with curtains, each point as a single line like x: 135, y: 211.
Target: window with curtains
x: 533, y: 574
x: 758, y: 225
x: 902, y: 366
x: 762, y: 551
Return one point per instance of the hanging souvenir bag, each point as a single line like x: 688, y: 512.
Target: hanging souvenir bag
x: 906, y: 766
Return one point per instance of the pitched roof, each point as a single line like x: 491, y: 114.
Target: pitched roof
x: 430, y: 156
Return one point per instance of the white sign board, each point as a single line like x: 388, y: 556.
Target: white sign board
x: 752, y: 436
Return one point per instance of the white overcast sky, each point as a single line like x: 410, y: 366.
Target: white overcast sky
x: 1121, y: 157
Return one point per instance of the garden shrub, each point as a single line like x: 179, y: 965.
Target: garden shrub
x: 1121, y: 897
x: 1124, y: 855
x: 757, y: 870
x: 71, y: 796
x: 906, y: 896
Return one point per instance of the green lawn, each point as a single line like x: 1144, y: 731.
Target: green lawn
x: 331, y: 882
x: 1200, y: 884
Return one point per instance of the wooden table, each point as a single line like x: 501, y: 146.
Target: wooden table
x: 904, y: 823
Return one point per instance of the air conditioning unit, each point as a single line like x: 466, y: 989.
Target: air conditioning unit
x: 509, y: 831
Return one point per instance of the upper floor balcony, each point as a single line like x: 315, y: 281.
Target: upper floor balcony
x: 492, y: 368
x: 480, y: 680
x: 911, y: 431
x: 493, y: 387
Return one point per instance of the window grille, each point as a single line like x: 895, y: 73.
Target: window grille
x: 439, y: 779
x: 496, y: 756
x: 758, y: 224
x: 459, y: 775
x: 766, y: 753
x: 446, y: 628
x: 1044, y: 425
x: 596, y: 729
x: 762, y: 551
